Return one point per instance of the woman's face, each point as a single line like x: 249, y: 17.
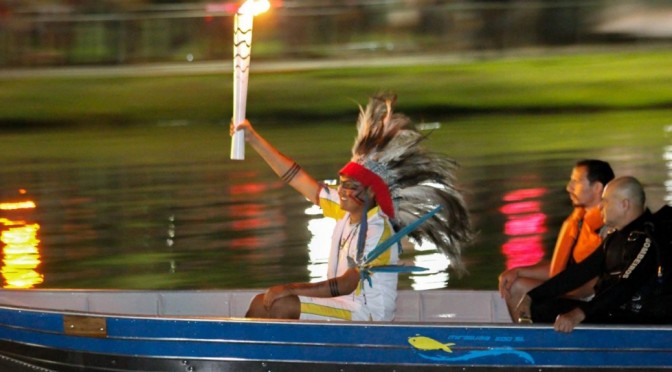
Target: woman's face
x: 351, y: 194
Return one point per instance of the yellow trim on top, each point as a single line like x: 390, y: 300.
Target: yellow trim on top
x: 326, y: 311
x: 331, y: 209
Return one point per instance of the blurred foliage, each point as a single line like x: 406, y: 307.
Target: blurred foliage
x: 63, y: 33
x: 588, y: 82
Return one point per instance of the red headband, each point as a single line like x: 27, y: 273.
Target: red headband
x: 372, y: 180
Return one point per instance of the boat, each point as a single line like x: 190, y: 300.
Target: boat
x: 181, y: 330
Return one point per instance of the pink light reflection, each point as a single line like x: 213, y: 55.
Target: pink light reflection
x: 521, y: 207
x: 528, y: 224
x: 524, y: 194
x: 525, y: 225
x: 522, y: 251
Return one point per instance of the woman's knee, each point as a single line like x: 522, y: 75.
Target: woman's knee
x: 286, y: 308
x: 257, y: 309
x: 283, y: 308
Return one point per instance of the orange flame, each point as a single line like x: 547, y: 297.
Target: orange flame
x: 254, y: 7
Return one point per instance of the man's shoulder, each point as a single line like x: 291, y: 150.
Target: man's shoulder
x: 663, y: 215
x: 656, y: 226
x: 662, y: 221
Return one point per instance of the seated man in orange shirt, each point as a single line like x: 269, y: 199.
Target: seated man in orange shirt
x: 580, y: 235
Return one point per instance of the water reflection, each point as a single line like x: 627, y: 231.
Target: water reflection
x: 524, y: 227
x: 114, y: 216
x: 318, y: 246
x: 251, y: 216
x: 436, y: 264
x: 20, y: 246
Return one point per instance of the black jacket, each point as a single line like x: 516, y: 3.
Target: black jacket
x: 625, y: 263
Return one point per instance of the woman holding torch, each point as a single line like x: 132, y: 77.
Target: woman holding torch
x: 389, y: 183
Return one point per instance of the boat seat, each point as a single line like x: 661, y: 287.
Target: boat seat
x: 468, y: 306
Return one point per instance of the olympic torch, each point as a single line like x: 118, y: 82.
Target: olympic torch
x: 242, y: 49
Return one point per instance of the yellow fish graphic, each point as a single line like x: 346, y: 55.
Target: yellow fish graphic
x: 426, y: 343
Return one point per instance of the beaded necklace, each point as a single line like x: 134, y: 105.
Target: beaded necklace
x: 345, y: 242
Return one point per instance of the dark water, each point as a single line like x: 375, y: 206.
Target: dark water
x: 162, y: 207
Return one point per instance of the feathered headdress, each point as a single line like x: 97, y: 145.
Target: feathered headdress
x: 407, y: 180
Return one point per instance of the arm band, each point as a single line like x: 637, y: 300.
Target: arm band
x: 333, y: 287
x: 291, y: 173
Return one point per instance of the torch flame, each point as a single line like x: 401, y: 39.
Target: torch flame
x: 254, y: 7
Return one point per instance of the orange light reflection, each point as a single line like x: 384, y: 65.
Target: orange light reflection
x: 17, y: 205
x: 20, y: 247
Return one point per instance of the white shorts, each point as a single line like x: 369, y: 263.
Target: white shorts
x: 333, y: 308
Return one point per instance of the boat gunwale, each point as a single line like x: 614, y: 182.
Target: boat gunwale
x: 238, y: 319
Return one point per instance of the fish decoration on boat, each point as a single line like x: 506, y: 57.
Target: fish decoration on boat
x: 429, y: 348
x: 427, y: 343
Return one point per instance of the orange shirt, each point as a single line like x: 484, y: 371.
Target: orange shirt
x: 589, y: 238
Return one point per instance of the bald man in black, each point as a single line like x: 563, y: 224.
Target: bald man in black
x: 625, y: 265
